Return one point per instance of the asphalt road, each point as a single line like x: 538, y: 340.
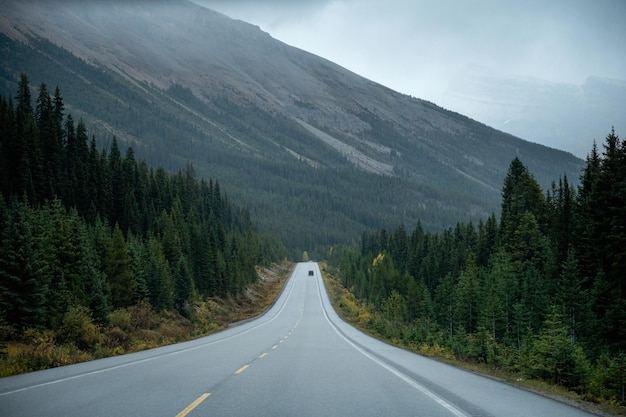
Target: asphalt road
x: 298, y: 359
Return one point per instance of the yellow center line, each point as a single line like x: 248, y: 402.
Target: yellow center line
x: 240, y: 370
x: 274, y: 347
x: 193, y: 405
x: 262, y: 355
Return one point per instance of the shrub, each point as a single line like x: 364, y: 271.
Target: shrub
x: 78, y: 329
x: 118, y: 350
x: 608, y: 380
x: 67, y: 355
x: 554, y: 358
x: 117, y: 338
x: 482, y: 347
x: 120, y: 318
x: 142, y: 316
x: 37, y: 353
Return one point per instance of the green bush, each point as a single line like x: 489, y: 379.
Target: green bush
x: 38, y: 354
x: 555, y: 358
x: 608, y: 380
x: 78, y: 329
x: 120, y: 318
x: 143, y: 316
x: 117, y: 338
x: 482, y: 348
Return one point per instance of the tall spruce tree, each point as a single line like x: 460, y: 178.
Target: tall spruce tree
x: 521, y: 193
x: 159, y: 277
x: 26, y: 152
x: 22, y: 292
x: 119, y: 272
x: 49, y: 115
x: 467, y: 297
x: 586, y: 234
x: 183, y: 284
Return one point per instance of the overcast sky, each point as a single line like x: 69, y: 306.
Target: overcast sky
x: 419, y: 47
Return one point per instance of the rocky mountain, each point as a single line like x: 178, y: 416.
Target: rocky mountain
x: 315, y: 151
x: 559, y: 114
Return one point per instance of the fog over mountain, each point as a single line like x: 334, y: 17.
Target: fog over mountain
x: 560, y: 115
x: 316, y: 151
x: 539, y: 70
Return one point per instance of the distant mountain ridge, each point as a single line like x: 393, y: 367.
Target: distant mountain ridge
x: 564, y: 115
x: 314, y: 149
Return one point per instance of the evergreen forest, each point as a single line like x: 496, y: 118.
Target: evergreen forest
x: 540, y: 291
x: 310, y: 201
x: 85, y: 233
x: 90, y: 237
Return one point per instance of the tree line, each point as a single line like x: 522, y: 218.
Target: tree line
x: 92, y: 229
x: 306, y: 207
x: 540, y: 291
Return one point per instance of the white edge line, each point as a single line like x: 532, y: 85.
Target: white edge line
x: 99, y: 371
x: 394, y: 371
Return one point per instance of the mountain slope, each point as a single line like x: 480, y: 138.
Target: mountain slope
x: 317, y: 152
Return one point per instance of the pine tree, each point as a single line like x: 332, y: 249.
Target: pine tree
x: 25, y: 152
x: 73, y: 177
x: 554, y: 357
x: 49, y: 116
x: 93, y: 278
x: 95, y: 191
x: 10, y: 151
x: 520, y: 194
x: 22, y: 293
x: 612, y: 193
x: 394, y: 308
x: 116, y: 190
x: 528, y: 246
x: 487, y: 237
x: 131, y: 180
x: 42, y: 177
x: 496, y: 298
x: 183, y: 284
x: 562, y: 220
x: 586, y: 233
x: 159, y: 277
x: 467, y: 297
x: 573, y: 301
x: 198, y: 258
x: 140, y: 260
x: 119, y: 271
x: 601, y: 237
x: 445, y: 303
x: 398, y: 248
x: 503, y: 290
x: 58, y: 253
x: 23, y: 97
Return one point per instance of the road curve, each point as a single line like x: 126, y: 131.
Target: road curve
x: 298, y: 359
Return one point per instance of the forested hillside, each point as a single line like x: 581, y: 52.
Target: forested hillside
x: 85, y: 232
x: 540, y: 292
x: 317, y: 152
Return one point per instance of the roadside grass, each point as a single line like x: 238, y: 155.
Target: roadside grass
x: 138, y: 328
x: 358, y: 314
